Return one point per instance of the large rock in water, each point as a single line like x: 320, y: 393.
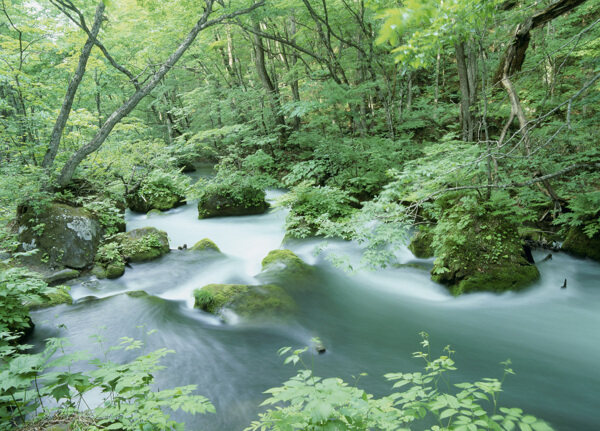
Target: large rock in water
x: 285, y: 262
x: 140, y: 245
x: 579, y: 244
x: 66, y: 235
x: 420, y: 244
x: 228, y: 199
x: 480, y: 252
x: 162, y: 200
x: 246, y: 301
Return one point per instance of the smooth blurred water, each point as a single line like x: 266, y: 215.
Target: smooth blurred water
x: 369, y: 322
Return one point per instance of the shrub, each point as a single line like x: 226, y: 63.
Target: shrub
x: 309, y: 402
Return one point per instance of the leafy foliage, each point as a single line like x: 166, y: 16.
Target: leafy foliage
x: 309, y: 402
x: 128, y: 400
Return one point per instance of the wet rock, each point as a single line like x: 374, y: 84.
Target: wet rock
x: 482, y: 252
x: 244, y: 300
x: 579, y: 244
x: 65, y: 235
x: 58, y: 295
x: 229, y: 199
x: 319, y: 347
x: 420, y: 244
x: 137, y: 294
x: 285, y: 261
x: 140, y: 245
x: 205, y: 244
x: 159, y: 191
x: 62, y: 275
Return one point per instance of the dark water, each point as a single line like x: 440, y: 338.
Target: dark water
x: 369, y: 322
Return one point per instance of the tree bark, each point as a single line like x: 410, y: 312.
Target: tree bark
x: 67, y: 104
x: 514, y: 56
x: 466, y: 117
x: 69, y: 169
x: 272, y: 90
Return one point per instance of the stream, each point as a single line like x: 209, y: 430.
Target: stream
x: 369, y: 322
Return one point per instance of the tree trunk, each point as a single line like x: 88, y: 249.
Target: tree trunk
x: 263, y: 74
x: 69, y: 169
x: 65, y: 109
x: 466, y: 117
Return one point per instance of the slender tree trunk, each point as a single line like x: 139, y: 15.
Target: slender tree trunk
x: 69, y: 168
x: 465, y: 97
x: 263, y: 74
x: 65, y: 109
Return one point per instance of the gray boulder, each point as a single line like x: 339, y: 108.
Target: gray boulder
x: 65, y: 235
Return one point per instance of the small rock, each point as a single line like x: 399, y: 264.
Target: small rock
x: 63, y: 275
x: 204, y: 244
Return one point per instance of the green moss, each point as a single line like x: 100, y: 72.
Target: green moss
x: 499, y: 279
x: 63, y: 275
x: 160, y: 191
x: 231, y: 199
x: 205, y: 244
x: 99, y: 271
x: 143, y: 244
x: 285, y: 261
x: 479, y: 250
x: 58, y: 295
x: 421, y: 244
x: 115, y: 270
x: 136, y: 294
x: 579, y: 244
x: 244, y: 300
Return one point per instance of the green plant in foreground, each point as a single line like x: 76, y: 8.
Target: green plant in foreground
x: 307, y: 402
x: 28, y: 381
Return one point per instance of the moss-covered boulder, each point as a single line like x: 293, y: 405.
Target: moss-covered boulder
x: 110, y: 262
x: 56, y: 296
x: 140, y: 245
x: 479, y: 250
x: 162, y: 201
x: 286, y: 262
x: 244, y: 300
x: 161, y: 190
x: 61, y: 276
x: 421, y: 244
x: 219, y: 199
x: 65, y: 235
x: 579, y: 244
x: 205, y: 244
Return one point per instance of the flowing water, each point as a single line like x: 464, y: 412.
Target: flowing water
x: 369, y: 322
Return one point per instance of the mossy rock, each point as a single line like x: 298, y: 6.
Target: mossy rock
x: 228, y: 199
x: 137, y: 294
x: 140, y: 245
x: 62, y: 275
x: 115, y: 270
x: 154, y: 212
x: 161, y: 198
x: 110, y: 262
x: 421, y: 244
x: 99, y: 271
x: 59, y: 295
x: 245, y: 300
x: 499, y: 279
x: 66, y: 235
x: 285, y: 262
x: 205, y: 244
x: 579, y: 244
x: 480, y: 251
